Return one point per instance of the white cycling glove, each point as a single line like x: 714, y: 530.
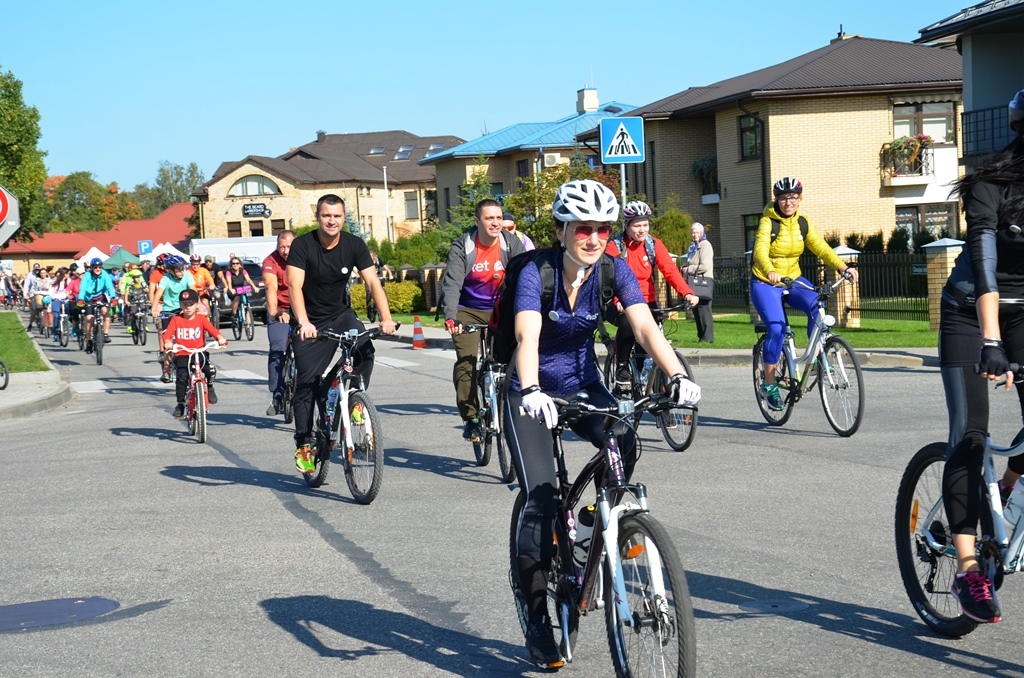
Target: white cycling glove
x: 541, y: 407
x: 683, y: 391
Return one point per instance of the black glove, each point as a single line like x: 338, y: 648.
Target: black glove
x: 993, y: 358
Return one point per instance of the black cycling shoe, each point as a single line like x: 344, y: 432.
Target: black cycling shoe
x: 179, y: 411
x: 213, y: 396
x: 88, y: 346
x: 106, y: 339
x: 541, y: 644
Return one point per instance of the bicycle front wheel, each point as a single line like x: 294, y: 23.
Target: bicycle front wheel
x: 199, y: 412
x: 773, y: 417
x: 364, y: 463
x: 924, y: 544
x: 143, y: 322
x: 65, y: 331
x: 249, y: 326
x: 288, y: 374
x: 659, y: 638
x: 508, y: 469
x: 841, y: 385
x: 678, y: 425
x: 236, y: 326
x: 133, y: 323
x: 100, y: 339
x: 4, y: 376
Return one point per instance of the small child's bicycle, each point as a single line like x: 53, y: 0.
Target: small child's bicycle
x: 924, y: 541
x: 197, y: 398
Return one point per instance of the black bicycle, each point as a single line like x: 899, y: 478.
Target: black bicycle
x: 288, y: 376
x: 491, y: 389
x: 4, y: 375
x: 348, y: 417
x: 678, y: 426
x: 639, y: 582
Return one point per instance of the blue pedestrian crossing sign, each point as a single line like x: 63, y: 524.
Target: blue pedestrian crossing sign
x: 622, y: 140
x: 145, y: 247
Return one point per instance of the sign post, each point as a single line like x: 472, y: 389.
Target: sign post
x: 622, y: 141
x: 10, y: 216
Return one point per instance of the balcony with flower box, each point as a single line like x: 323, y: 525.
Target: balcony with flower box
x: 907, y: 161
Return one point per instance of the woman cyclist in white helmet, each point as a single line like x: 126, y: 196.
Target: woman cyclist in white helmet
x: 556, y: 358
x: 777, y: 253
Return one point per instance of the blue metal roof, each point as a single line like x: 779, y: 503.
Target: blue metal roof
x: 532, y: 135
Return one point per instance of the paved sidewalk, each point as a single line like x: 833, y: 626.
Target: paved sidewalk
x: 30, y: 393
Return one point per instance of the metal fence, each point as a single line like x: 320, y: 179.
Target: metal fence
x: 892, y: 286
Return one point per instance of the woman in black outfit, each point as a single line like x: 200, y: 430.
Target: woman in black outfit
x: 975, y: 329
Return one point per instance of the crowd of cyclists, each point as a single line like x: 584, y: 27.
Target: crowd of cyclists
x: 558, y: 304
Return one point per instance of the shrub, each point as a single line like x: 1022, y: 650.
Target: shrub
x: 899, y: 241
x: 874, y: 242
x: 403, y: 297
x: 832, y: 239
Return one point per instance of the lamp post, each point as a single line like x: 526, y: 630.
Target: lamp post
x: 387, y: 206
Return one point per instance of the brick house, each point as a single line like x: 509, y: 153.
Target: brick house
x: 826, y: 117
x: 990, y: 38
x: 518, y: 151
x: 261, y: 196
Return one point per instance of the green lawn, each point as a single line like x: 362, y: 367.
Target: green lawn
x: 736, y: 331
x: 16, y: 349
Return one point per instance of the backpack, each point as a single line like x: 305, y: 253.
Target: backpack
x: 502, y: 321
x: 648, y: 245
x: 776, y: 225
x: 470, y: 248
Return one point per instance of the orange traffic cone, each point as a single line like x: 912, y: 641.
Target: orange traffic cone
x: 418, y: 340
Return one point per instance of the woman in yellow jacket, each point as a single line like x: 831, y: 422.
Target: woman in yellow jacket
x: 778, y: 258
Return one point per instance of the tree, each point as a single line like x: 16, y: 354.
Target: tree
x: 173, y: 184
x: 22, y: 171
x: 116, y: 207
x: 476, y: 189
x: 673, y: 225
x: 74, y: 204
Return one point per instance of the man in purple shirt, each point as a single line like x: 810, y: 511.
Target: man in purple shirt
x: 475, y: 271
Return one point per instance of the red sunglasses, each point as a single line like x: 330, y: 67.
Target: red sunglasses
x: 584, y: 231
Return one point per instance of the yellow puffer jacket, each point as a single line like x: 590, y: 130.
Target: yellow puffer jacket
x: 783, y: 255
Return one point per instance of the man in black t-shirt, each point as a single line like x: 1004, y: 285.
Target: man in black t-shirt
x: 320, y: 264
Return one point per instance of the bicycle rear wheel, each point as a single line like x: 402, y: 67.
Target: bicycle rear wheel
x: 482, y: 447
x: 773, y: 417
x: 288, y: 374
x: 678, y: 425
x: 248, y: 321
x: 100, y: 338
x: 321, y: 461
x: 661, y: 639
x: 4, y: 376
x: 80, y: 335
x: 842, y: 388
x: 921, y: 525
x: 364, y: 463
x: 199, y: 412
x: 214, y: 313
x: 508, y: 469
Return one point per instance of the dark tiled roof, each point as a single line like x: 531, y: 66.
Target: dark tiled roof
x: 973, y: 17
x: 851, y: 65
x: 336, y: 158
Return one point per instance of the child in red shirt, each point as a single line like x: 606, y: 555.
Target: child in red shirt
x: 190, y: 329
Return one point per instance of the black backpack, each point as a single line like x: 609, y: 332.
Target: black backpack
x: 776, y: 225
x: 502, y: 321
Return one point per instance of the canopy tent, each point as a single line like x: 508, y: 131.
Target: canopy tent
x: 119, y: 258
x: 165, y: 248
x: 93, y: 253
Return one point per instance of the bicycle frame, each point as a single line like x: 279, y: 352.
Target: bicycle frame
x: 815, y: 343
x: 351, y: 382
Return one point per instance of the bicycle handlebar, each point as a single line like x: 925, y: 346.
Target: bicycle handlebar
x: 571, y: 410
x: 352, y: 336
x: 210, y: 345
x: 823, y: 290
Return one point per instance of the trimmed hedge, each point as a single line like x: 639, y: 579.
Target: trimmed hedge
x: 403, y: 297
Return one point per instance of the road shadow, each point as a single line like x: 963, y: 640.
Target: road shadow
x: 705, y: 421
x: 414, y: 409
x: 248, y: 420
x: 217, y: 476
x: 138, y: 385
x: 893, y: 630
x: 174, y: 432
x: 242, y: 351
x: 374, y: 632
x: 458, y: 468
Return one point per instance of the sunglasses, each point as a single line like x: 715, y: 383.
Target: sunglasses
x: 584, y: 231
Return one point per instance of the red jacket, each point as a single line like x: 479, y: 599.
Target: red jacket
x: 636, y: 257
x: 190, y: 333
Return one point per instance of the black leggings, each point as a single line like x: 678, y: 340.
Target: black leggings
x: 530, y: 445
x: 967, y: 405
x: 625, y: 338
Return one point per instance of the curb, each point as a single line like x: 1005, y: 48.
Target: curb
x: 51, y: 401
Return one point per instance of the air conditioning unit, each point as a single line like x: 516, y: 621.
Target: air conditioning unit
x: 552, y: 159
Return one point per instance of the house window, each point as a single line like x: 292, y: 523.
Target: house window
x: 936, y: 120
x: 447, y: 206
x: 276, y: 226
x: 522, y: 168
x: 434, y: 149
x: 256, y: 229
x: 234, y: 229
x: 938, y: 218
x: 403, y: 152
x: 412, y: 206
x: 253, y: 184
x: 498, y: 190
x: 750, y: 222
x: 750, y: 138
x: 377, y: 150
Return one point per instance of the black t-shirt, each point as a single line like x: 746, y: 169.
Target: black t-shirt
x: 214, y: 269
x: 327, y: 272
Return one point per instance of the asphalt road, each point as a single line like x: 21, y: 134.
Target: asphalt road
x: 225, y: 564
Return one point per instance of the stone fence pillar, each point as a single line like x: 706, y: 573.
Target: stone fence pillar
x: 940, y: 255
x: 845, y: 303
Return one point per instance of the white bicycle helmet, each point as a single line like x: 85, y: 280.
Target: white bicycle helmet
x: 585, y: 200
x: 637, y: 209
x: 787, y: 185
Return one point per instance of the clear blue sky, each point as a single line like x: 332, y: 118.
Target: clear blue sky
x: 121, y: 86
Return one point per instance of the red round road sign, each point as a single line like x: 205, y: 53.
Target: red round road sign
x: 5, y: 205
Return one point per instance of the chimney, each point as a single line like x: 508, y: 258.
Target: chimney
x: 586, y: 100
x: 320, y: 135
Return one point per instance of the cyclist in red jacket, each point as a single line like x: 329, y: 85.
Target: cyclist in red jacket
x: 189, y: 329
